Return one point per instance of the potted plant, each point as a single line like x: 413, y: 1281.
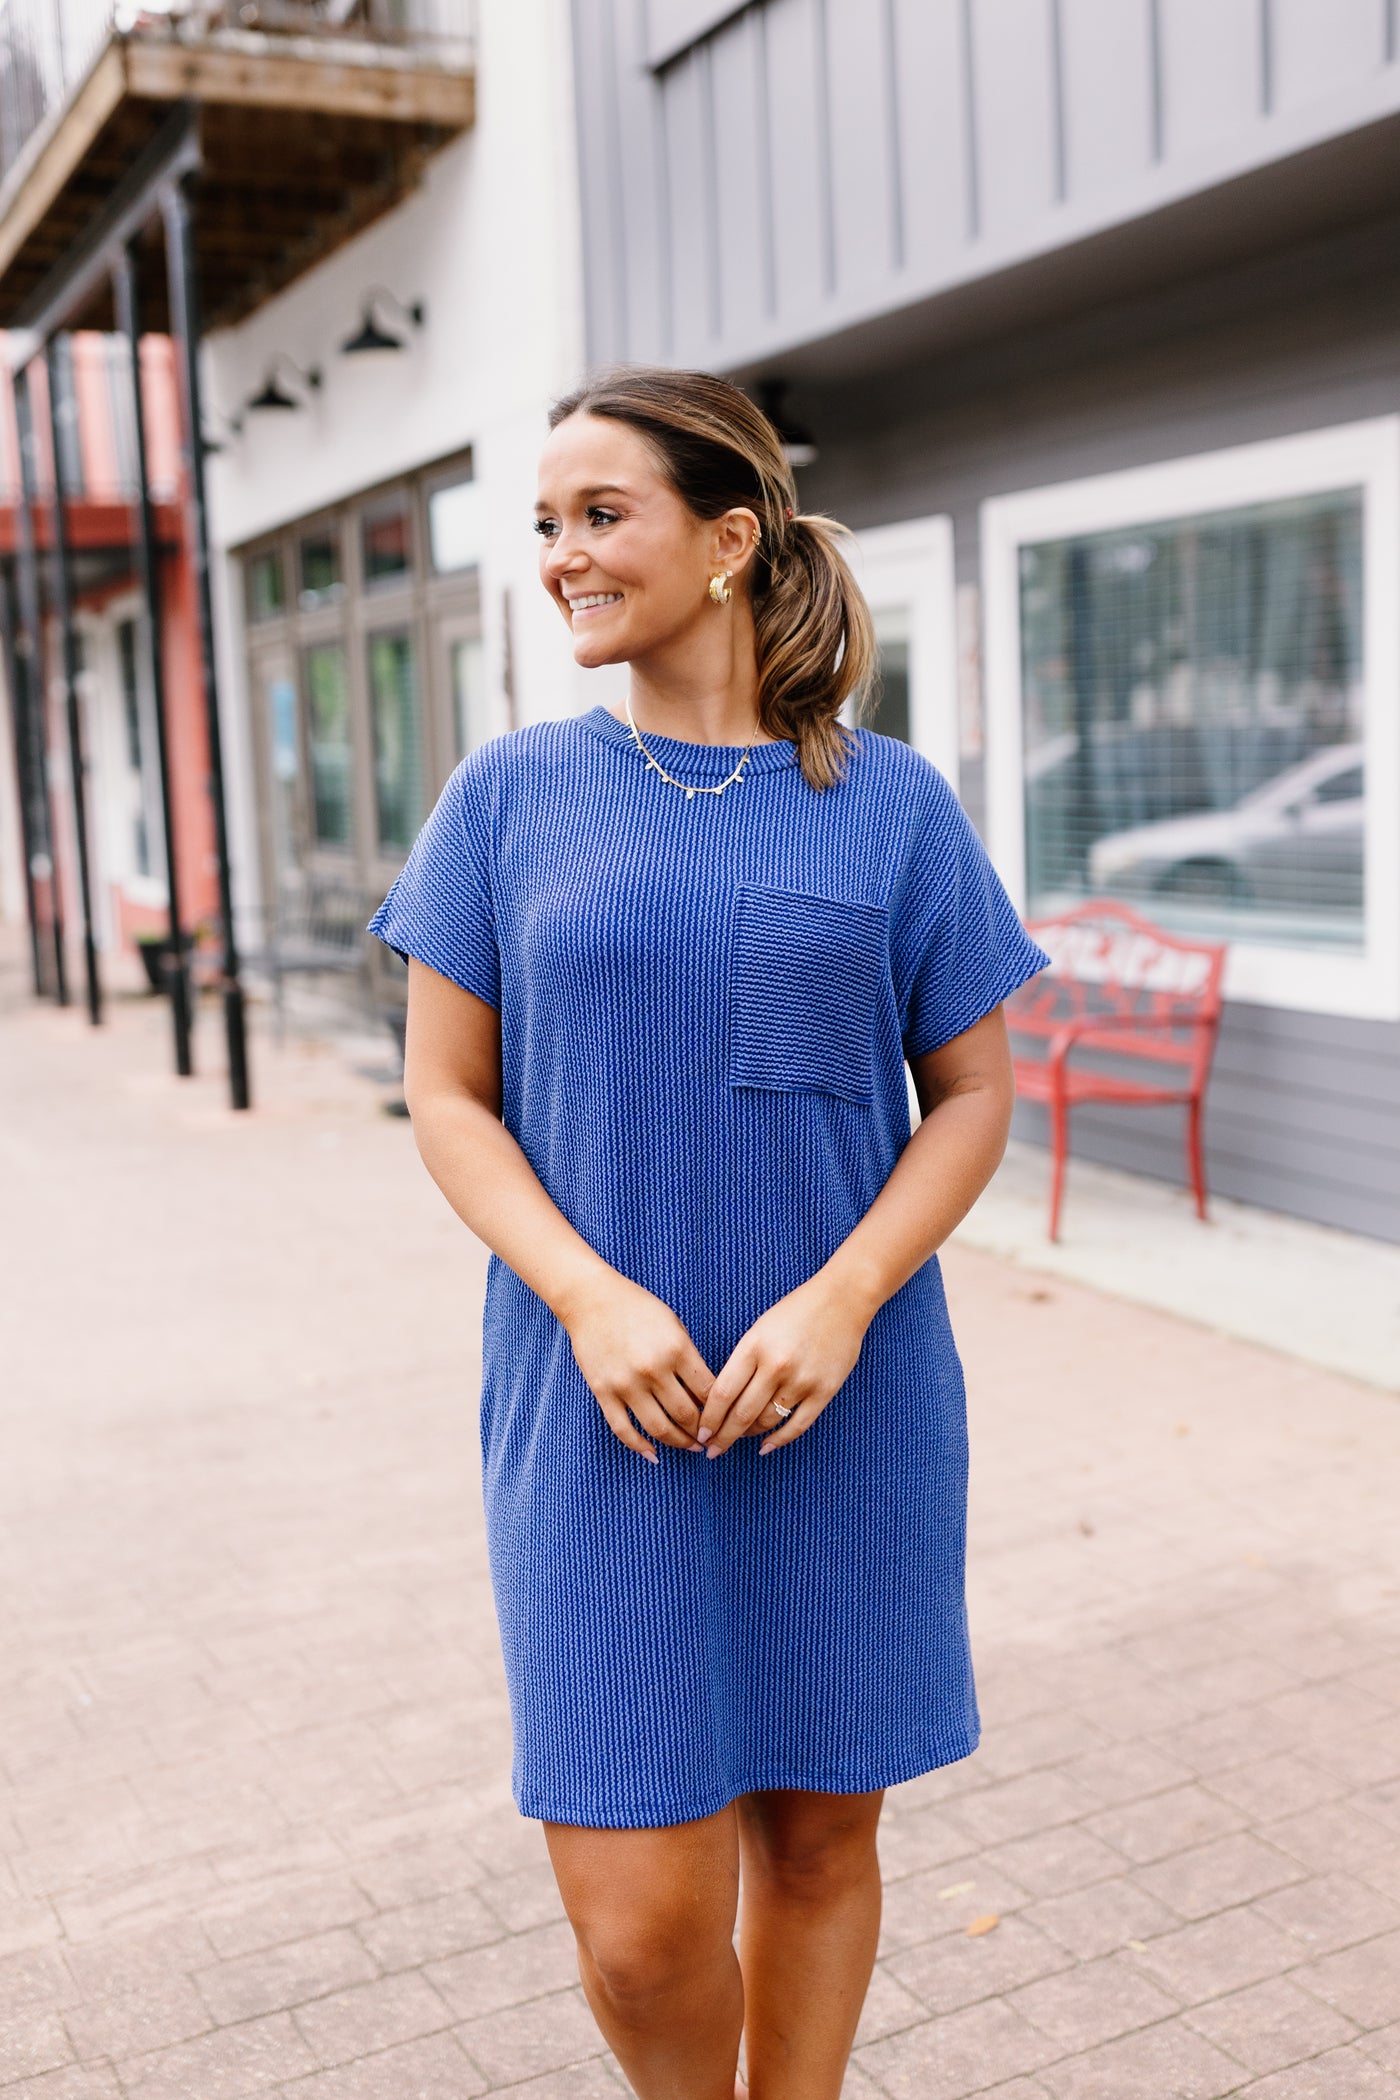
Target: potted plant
x: 155, y: 951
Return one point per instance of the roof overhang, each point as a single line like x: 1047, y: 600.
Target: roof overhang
x: 1327, y: 192
x: 276, y: 195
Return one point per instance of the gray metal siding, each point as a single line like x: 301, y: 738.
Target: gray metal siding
x: 1304, y: 1109
x: 1315, y: 50
x: 858, y: 62
x: 687, y: 130
x: 599, y: 74
x: 1013, y: 68
x: 1212, y: 55
x: 1108, y: 142
x: 798, y: 155
x: 742, y: 267
x: 938, y: 202
x: 848, y: 157
x: 672, y: 25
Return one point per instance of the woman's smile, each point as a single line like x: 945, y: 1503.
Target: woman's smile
x: 586, y: 602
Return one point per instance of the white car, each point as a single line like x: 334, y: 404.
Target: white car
x: 1295, y: 841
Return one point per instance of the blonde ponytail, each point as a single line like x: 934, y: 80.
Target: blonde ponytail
x: 816, y: 644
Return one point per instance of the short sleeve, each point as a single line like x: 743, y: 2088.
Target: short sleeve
x: 970, y: 949
x: 440, y: 908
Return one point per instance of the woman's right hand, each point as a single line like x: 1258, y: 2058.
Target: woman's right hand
x: 638, y: 1361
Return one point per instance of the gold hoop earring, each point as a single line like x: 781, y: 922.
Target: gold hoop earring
x: 719, y: 588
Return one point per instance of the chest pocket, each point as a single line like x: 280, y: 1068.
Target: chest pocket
x: 805, y: 974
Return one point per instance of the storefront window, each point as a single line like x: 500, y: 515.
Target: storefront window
x: 267, y: 597
x: 318, y: 559
x: 386, y: 541
x: 369, y: 686
x: 891, y: 712
x: 1193, y: 720
x: 281, y: 697
x: 468, y: 670
x: 393, y: 700
x: 328, y: 742
x: 455, y: 526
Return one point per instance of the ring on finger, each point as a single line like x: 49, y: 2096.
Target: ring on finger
x: 780, y: 1411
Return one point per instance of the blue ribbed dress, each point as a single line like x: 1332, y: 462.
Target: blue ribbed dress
x: 706, y: 1004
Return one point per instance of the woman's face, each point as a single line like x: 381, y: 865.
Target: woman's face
x: 624, y: 558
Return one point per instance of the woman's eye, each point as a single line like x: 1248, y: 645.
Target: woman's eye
x: 548, y: 528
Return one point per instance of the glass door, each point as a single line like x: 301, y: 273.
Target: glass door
x: 365, y: 678
x: 280, y: 733
x: 906, y: 572
x: 395, y: 713
x: 144, y: 839
x: 478, y: 711
x: 330, y: 747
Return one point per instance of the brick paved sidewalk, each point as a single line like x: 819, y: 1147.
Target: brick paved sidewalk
x: 255, y: 1832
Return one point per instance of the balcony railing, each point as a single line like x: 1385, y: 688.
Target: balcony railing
x: 48, y: 46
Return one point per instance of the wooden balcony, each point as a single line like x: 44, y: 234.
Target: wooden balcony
x: 313, y: 119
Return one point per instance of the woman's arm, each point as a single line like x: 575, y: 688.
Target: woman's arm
x: 966, y: 1093
x: 805, y: 1347
x: 633, y: 1351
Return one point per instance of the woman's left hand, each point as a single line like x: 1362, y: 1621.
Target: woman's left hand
x: 800, y: 1352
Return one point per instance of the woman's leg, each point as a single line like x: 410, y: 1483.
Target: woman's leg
x: 807, y: 1934
x: 653, y: 1913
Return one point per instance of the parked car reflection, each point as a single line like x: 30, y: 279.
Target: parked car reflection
x: 1295, y: 841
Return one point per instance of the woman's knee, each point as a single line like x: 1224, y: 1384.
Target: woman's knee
x: 639, y: 1958
x: 652, y: 1911
x: 813, y: 1849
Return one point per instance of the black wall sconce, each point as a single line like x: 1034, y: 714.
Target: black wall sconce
x: 373, y: 336
x: 218, y: 433
x: 799, y: 445
x: 276, y: 395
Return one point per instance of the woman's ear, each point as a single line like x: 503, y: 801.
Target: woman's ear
x: 734, y: 539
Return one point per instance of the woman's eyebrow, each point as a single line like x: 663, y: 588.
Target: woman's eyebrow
x: 604, y: 488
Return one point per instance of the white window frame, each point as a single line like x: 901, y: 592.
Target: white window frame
x: 1365, y: 985
x: 912, y: 565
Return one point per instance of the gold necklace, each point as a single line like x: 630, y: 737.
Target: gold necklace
x: 656, y: 766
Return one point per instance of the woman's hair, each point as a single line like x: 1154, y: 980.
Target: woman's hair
x: 816, y: 644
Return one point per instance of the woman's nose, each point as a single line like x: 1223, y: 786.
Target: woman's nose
x: 562, y: 557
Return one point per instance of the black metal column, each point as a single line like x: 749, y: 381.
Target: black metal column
x: 182, y: 279
x: 14, y: 679
x: 30, y: 652
x: 63, y: 606
x: 124, y: 291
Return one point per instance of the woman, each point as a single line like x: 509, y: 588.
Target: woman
x: 665, y: 968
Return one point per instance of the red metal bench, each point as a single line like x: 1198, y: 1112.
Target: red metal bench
x: 1124, y: 991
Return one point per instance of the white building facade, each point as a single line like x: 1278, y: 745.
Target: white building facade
x: 374, y: 564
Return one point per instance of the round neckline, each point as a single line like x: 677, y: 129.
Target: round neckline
x: 679, y: 755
